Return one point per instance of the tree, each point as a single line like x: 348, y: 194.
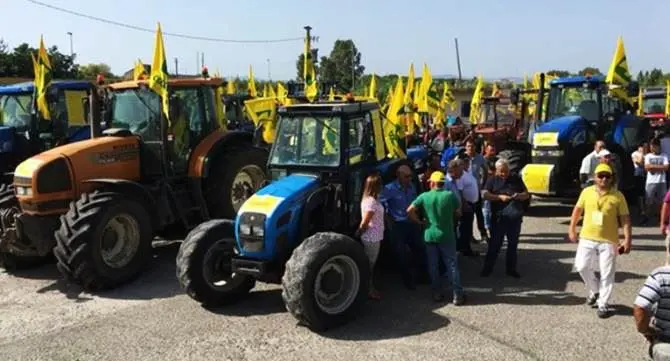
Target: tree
x: 559, y: 73
x: 590, y: 71
x: 19, y: 63
x: 301, y: 63
x: 346, y: 62
x: 91, y: 71
x: 654, y: 77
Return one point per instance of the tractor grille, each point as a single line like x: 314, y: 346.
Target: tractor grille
x: 252, y: 244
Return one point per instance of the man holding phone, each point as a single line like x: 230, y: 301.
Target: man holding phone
x: 604, y: 208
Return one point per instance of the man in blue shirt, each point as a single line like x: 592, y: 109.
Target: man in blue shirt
x: 396, y: 198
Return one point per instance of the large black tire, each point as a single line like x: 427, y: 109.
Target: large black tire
x: 221, y: 186
x: 79, y: 240
x: 209, y: 248
x: 303, y: 268
x: 10, y: 261
x: 516, y: 158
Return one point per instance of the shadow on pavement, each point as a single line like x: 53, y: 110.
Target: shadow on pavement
x: 545, y: 275
x: 549, y: 210
x: 156, y: 281
x: 257, y: 303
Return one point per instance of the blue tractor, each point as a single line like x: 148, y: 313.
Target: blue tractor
x: 580, y: 110
x: 23, y: 133
x: 298, y: 230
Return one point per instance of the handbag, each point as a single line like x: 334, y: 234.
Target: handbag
x: 512, y: 211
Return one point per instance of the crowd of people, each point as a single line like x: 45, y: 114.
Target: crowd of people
x: 434, y: 222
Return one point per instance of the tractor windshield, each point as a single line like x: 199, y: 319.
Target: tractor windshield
x: 137, y: 110
x: 307, y: 140
x: 15, y: 110
x: 654, y: 105
x: 504, y: 113
x: 580, y: 101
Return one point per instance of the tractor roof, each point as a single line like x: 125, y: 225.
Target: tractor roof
x: 179, y: 82
x: 578, y: 80
x: 29, y: 86
x: 337, y: 106
x: 656, y: 92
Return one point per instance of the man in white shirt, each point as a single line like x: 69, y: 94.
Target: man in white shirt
x: 656, y: 164
x: 468, y: 188
x: 591, y: 161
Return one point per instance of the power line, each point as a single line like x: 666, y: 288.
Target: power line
x: 176, y: 35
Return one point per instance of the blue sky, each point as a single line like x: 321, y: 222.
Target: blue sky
x: 497, y: 38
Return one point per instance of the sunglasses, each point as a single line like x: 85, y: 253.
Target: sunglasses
x: 604, y: 175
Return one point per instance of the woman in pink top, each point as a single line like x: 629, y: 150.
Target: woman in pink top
x: 371, y: 229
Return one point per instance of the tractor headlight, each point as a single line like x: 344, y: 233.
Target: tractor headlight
x: 258, y: 231
x: 24, y: 191
x: 245, y: 229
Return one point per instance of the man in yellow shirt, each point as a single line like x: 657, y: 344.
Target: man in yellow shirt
x: 604, y: 208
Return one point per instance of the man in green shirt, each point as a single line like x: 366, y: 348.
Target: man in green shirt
x: 439, y: 207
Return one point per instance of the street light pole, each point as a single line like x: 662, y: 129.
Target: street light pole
x: 69, y: 33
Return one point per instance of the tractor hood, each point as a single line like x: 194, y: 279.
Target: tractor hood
x: 104, y: 157
x: 6, y: 139
x: 280, y: 195
x: 272, y: 216
x: 564, y: 126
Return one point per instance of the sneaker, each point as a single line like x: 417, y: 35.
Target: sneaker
x: 459, y: 299
x: 592, y: 299
x: 605, y: 311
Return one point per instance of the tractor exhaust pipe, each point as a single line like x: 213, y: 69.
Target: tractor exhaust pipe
x: 540, y: 99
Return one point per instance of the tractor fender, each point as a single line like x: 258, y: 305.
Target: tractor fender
x: 135, y: 189
x: 316, y: 200
x: 215, y: 144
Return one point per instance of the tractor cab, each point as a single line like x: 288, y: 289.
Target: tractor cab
x: 299, y: 229
x: 653, y: 106
x: 579, y: 111
x: 23, y: 131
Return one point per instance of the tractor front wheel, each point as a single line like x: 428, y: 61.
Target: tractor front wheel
x: 9, y: 208
x: 204, y: 265
x: 104, y: 240
x: 326, y: 280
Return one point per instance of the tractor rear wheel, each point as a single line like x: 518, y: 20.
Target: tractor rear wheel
x: 235, y: 177
x: 204, y: 265
x: 9, y: 206
x: 104, y: 240
x: 326, y: 280
x: 516, y: 158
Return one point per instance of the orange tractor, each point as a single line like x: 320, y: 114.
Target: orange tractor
x: 105, y: 199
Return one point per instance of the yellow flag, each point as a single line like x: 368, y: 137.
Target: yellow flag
x: 282, y: 93
x: 394, y: 127
x: 220, y: 108
x: 618, y: 76
x: 265, y: 90
x: 138, y: 70
x: 271, y: 92
x: 424, y: 88
x: 640, y: 103
x: 308, y: 74
x: 410, y: 86
x: 331, y: 94
x: 251, y: 86
x: 231, y: 88
x: 263, y: 112
x: 475, y: 104
x: 373, y: 87
x: 43, y: 80
x: 495, y: 90
x: 158, y: 81
x: 667, y: 97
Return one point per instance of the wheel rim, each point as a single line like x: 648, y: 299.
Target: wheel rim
x: 245, y: 184
x: 120, y: 240
x: 217, y: 267
x: 337, y: 284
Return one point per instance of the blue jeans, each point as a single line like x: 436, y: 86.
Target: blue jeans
x: 486, y: 211
x: 409, y: 249
x: 500, y: 230
x: 446, y: 251
x: 465, y: 228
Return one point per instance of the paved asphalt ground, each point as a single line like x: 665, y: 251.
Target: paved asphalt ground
x: 540, y: 317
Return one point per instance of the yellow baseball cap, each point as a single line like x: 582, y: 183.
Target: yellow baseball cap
x: 437, y: 177
x: 603, y: 168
